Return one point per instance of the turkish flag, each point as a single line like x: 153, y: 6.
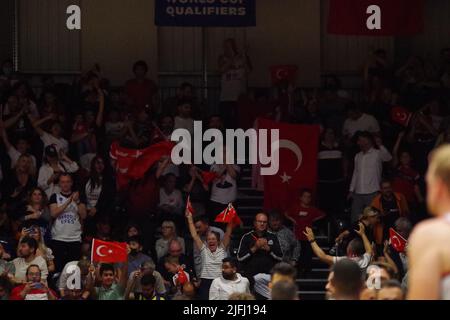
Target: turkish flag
x: 132, y: 164
x: 397, y: 241
x: 297, y: 163
x: 229, y: 215
x: 189, y: 206
x: 401, y: 116
x: 108, y: 252
x: 283, y: 73
x: 398, y: 17
x: 182, y: 277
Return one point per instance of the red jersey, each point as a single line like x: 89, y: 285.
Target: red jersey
x: 304, y: 217
x: 34, y: 294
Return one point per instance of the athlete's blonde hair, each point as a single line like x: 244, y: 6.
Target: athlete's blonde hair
x: 440, y: 164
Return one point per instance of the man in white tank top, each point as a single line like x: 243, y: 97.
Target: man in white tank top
x: 429, y: 244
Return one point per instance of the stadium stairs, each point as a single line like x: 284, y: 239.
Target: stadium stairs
x: 248, y: 204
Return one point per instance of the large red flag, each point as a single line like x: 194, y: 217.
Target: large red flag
x: 132, y: 164
x: 297, y: 163
x: 398, y: 17
x: 108, y: 252
x: 397, y: 241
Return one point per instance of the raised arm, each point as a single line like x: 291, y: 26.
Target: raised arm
x: 11, y: 121
x: 316, y: 249
x: 227, y: 237
x: 384, y: 153
x: 37, y: 123
x: 361, y: 232
x: 388, y: 257
x: 232, y: 171
x: 198, y: 242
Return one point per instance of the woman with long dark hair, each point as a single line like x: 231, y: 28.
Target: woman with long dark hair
x: 100, y: 192
x: 18, y: 184
x: 34, y: 213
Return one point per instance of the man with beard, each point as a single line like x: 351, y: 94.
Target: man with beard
x: 428, y: 249
x: 230, y: 282
x: 28, y: 257
x: 34, y: 288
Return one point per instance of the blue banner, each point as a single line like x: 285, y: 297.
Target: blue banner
x: 205, y: 13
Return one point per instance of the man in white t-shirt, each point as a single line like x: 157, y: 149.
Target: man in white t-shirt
x: 27, y: 257
x: 359, y: 121
x: 230, y: 282
x: 68, y: 212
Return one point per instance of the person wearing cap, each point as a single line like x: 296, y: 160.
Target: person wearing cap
x: 53, y: 165
x: 369, y: 218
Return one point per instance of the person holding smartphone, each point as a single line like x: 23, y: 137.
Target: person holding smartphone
x: 33, y: 288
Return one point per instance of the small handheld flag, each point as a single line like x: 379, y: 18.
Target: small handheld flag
x: 229, y: 215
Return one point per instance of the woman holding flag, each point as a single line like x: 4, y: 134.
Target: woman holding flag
x: 212, y: 253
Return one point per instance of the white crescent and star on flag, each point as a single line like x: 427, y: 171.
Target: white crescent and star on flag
x: 100, y: 254
x: 290, y: 145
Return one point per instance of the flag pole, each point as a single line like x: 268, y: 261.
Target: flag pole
x: 92, y: 250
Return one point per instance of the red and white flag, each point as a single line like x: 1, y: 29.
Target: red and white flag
x: 132, y: 164
x: 189, y: 206
x: 397, y: 241
x: 229, y: 215
x: 401, y: 116
x: 297, y: 163
x: 108, y: 252
x: 283, y: 73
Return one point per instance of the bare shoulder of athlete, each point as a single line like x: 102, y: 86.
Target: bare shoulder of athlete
x: 430, y: 234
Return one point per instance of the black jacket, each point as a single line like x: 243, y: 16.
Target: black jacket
x: 261, y: 261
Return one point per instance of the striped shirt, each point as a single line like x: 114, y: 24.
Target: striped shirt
x: 212, y: 262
